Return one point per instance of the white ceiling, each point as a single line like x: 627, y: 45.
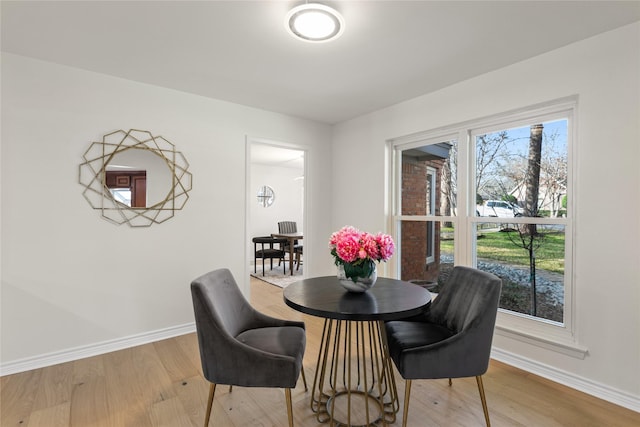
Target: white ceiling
x: 239, y: 51
x: 277, y: 156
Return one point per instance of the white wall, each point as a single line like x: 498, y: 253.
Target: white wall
x: 605, y: 73
x: 73, y: 282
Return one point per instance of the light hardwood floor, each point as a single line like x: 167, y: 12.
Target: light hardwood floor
x: 161, y: 384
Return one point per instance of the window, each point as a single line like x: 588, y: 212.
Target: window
x: 122, y: 195
x: 425, y: 203
x: 494, y: 194
x: 521, y: 177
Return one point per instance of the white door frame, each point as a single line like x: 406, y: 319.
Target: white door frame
x: 249, y: 142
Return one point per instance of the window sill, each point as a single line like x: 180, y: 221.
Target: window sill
x: 557, y: 344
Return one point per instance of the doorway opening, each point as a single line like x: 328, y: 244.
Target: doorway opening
x: 275, y: 194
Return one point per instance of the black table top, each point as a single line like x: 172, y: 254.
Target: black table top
x: 388, y: 299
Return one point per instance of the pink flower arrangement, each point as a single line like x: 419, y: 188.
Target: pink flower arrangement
x: 357, y: 251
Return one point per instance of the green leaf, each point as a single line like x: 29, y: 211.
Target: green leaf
x: 361, y: 268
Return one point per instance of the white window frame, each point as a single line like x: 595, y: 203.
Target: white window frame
x: 431, y: 228
x: 537, y: 331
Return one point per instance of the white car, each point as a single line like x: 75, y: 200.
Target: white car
x: 498, y: 208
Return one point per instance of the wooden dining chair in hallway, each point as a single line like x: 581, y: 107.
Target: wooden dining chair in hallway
x: 453, y: 338
x: 291, y: 227
x: 268, y: 247
x: 241, y: 346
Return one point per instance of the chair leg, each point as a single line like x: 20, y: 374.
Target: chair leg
x: 304, y: 379
x: 407, y: 396
x: 450, y: 382
x: 287, y: 392
x: 483, y: 399
x: 212, y: 391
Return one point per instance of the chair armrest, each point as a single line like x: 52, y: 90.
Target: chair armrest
x: 261, y: 320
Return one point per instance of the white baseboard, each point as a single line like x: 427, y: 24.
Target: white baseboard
x: 593, y: 388
x: 82, y: 352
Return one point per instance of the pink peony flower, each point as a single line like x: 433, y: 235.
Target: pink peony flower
x: 350, y: 245
x: 385, y: 243
x: 370, y: 246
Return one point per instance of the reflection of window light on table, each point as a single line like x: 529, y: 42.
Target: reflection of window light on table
x: 266, y: 196
x: 121, y: 195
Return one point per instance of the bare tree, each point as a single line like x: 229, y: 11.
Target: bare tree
x: 529, y: 239
x: 489, y: 149
x: 553, y: 176
x: 533, y: 172
x: 449, y: 187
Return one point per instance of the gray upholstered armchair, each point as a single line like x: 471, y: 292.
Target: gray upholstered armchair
x: 453, y: 340
x: 241, y: 346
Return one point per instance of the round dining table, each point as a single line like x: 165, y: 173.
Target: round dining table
x: 354, y: 382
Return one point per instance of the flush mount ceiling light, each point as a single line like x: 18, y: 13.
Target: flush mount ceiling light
x: 314, y: 22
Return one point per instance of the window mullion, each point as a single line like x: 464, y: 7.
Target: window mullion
x: 463, y: 247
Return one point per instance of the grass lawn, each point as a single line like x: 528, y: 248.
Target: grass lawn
x: 506, y: 247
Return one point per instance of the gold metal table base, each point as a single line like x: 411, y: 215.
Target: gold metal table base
x: 354, y: 384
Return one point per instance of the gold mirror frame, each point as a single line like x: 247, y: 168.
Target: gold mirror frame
x: 92, y: 172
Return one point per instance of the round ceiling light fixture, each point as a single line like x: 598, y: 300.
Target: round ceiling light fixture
x: 314, y: 22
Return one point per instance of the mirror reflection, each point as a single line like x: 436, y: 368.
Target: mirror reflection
x: 138, y: 178
x: 266, y: 196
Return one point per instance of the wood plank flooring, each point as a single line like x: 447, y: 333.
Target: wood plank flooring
x: 161, y: 385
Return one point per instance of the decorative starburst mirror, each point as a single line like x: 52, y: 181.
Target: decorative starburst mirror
x: 134, y: 177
